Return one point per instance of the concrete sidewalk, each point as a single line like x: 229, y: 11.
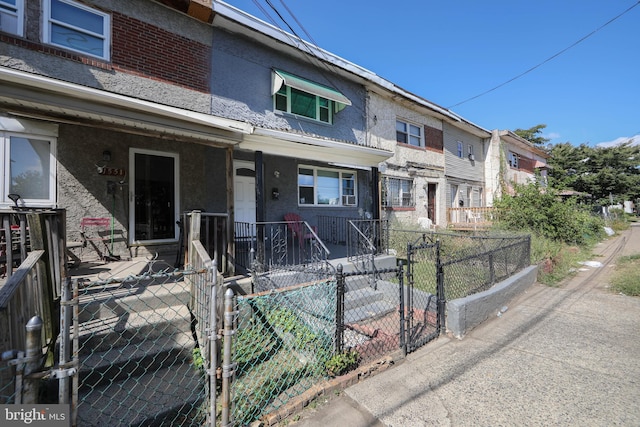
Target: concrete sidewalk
x: 558, y: 356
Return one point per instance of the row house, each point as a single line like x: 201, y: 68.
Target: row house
x: 140, y: 111
x: 105, y: 111
x: 512, y: 159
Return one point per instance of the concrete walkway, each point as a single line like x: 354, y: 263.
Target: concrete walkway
x: 564, y: 356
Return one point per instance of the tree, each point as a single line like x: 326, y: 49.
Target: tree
x: 533, y: 134
x: 604, y: 172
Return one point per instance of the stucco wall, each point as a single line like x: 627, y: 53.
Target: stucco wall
x: 423, y: 166
x: 83, y: 192
x: 287, y: 185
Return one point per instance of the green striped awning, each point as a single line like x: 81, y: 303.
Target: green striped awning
x: 281, y: 78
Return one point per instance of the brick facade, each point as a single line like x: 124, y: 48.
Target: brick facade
x: 150, y: 51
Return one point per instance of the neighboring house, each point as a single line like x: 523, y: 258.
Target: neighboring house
x: 98, y: 119
x: 512, y: 159
x: 309, y: 151
x: 465, y: 145
x: 412, y: 181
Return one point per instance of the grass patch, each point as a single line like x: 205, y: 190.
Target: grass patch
x: 557, y: 260
x: 626, y: 277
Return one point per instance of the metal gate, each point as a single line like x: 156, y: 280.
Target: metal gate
x: 422, y: 299
x: 135, y: 343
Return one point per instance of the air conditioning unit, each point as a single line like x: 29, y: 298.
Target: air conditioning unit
x: 472, y: 157
x: 348, y: 200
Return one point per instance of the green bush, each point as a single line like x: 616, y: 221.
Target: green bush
x: 543, y: 212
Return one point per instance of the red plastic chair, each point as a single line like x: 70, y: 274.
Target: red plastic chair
x: 298, y: 229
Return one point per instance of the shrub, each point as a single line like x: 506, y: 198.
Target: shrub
x: 542, y: 212
x: 342, y: 363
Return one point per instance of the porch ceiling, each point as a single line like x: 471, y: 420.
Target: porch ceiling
x: 287, y: 144
x: 41, y: 97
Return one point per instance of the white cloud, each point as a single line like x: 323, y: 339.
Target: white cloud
x: 635, y: 140
x: 552, y: 135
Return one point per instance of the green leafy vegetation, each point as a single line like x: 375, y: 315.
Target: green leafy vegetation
x: 542, y: 212
x: 342, y: 363
x: 626, y: 277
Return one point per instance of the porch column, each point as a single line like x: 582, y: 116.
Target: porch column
x: 375, y: 193
x: 260, y: 216
x: 375, y: 201
x: 230, y: 231
x: 259, y: 165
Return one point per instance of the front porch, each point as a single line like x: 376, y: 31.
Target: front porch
x: 284, y: 243
x: 470, y: 219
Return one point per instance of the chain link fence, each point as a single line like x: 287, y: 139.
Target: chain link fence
x: 369, y: 315
x: 284, y: 340
x: 138, y: 351
x: 482, y: 263
x: 471, y: 263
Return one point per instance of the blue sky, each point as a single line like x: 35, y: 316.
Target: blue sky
x: 453, y: 50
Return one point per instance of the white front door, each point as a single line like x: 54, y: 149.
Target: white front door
x: 244, y: 185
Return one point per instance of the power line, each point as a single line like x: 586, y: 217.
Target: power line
x: 546, y: 60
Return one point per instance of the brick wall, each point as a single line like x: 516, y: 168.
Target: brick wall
x: 141, y: 49
x: 150, y: 51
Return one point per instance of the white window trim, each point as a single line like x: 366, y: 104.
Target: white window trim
x: 315, y: 187
x: 106, y: 36
x: 409, y: 124
x: 5, y: 153
x: 19, y: 14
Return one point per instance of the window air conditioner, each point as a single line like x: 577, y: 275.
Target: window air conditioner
x: 472, y: 157
x: 348, y: 200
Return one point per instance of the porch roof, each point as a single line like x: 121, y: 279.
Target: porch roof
x: 279, y: 142
x: 41, y: 97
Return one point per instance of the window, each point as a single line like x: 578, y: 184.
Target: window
x: 460, y: 149
x: 407, y: 133
x: 305, y: 98
x: 513, y: 160
x: 398, y: 193
x: 326, y: 187
x: 29, y: 167
x: 73, y: 26
x: 294, y: 101
x: 12, y: 16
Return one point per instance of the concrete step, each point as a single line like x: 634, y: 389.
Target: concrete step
x: 115, y: 299
x: 370, y: 311
x: 381, y: 262
x: 130, y: 328
x: 361, y: 297
x: 137, y: 357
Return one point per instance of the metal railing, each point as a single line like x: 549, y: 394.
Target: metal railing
x: 334, y: 229
x: 366, y: 238
x: 267, y: 245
